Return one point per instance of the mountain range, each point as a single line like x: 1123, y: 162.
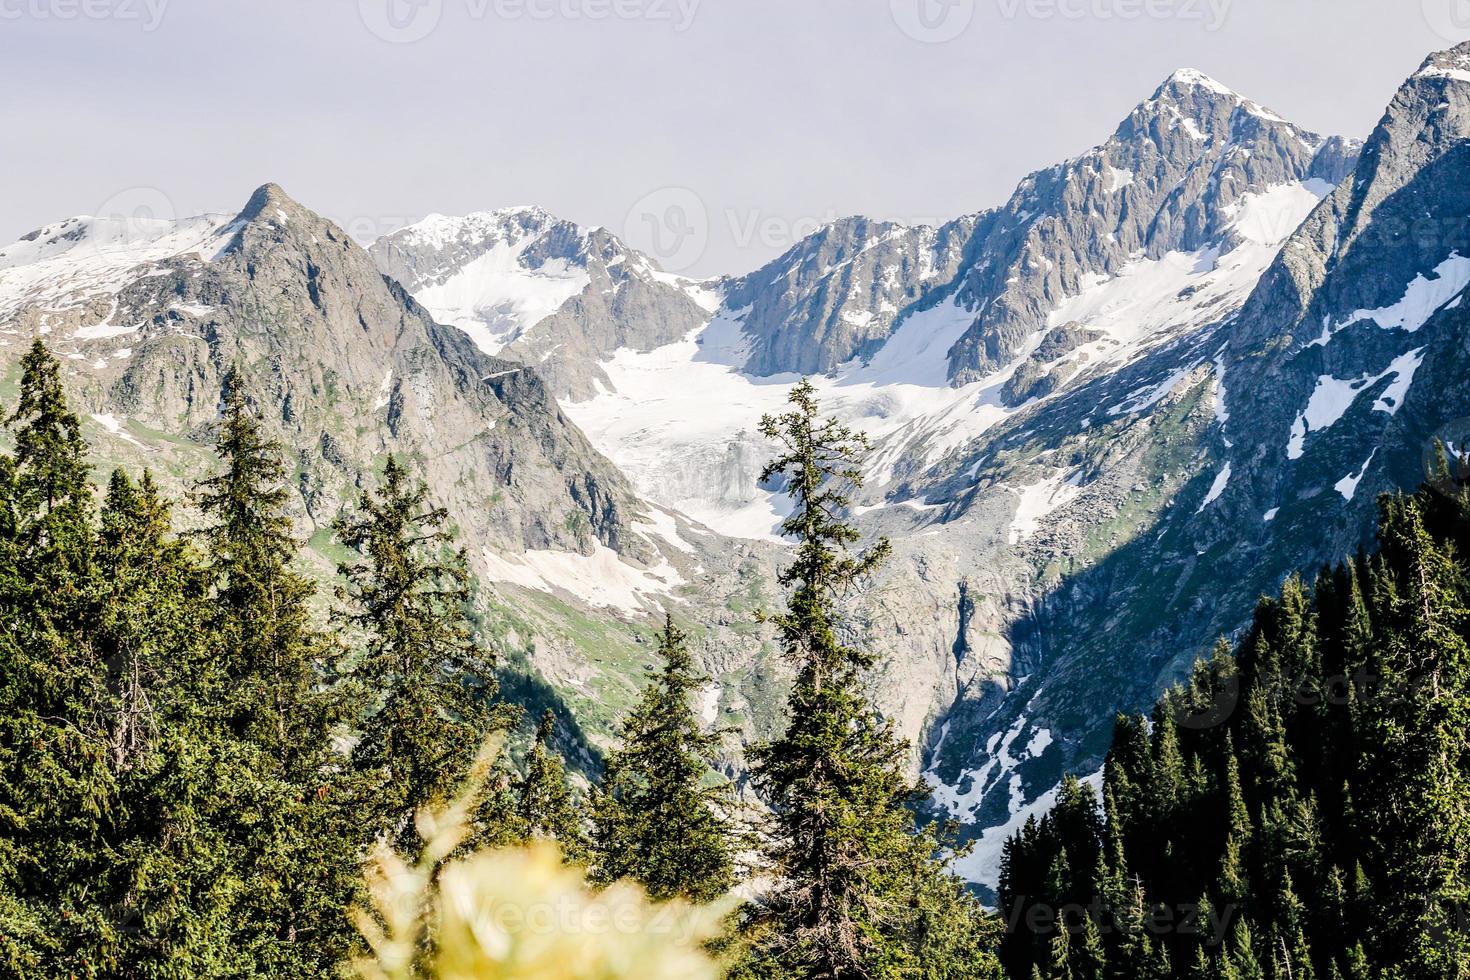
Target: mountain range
x: 1107, y: 414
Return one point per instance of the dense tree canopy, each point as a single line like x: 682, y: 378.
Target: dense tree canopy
x: 194, y: 767
x: 1299, y: 809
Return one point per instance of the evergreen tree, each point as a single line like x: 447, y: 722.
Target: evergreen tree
x: 56, y: 787
x: 298, y: 833
x: 545, y: 807
x: 1242, y: 962
x: 429, y: 685
x: 1418, y: 774
x: 842, y: 827
x: 263, y: 601
x: 662, y: 816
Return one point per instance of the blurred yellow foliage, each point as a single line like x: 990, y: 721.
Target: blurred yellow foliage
x: 519, y: 914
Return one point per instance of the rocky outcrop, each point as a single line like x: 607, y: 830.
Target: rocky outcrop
x: 544, y: 292
x: 347, y: 367
x: 1166, y: 181
x: 837, y: 294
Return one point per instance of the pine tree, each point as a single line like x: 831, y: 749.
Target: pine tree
x: 429, y: 683
x: 1418, y: 768
x: 544, y: 805
x: 52, y: 485
x: 298, y: 833
x: 56, y: 788
x: 1242, y: 961
x: 263, y: 600
x: 841, y: 820
x: 1088, y: 961
x: 662, y: 816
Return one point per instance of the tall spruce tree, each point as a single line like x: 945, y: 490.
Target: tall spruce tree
x: 56, y: 788
x: 1417, y: 777
x: 293, y: 818
x: 545, y: 808
x: 846, y: 862
x: 427, y: 680
x: 662, y: 816
x: 263, y: 602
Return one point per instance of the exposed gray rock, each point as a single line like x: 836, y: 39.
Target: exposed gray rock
x: 838, y: 294
x: 542, y: 291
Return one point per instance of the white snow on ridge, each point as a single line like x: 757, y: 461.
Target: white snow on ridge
x: 1422, y: 299
x: 601, y: 579
x: 496, y: 298
x: 507, y: 289
x: 1193, y: 76
x: 74, y: 260
x: 1332, y: 397
x: 1152, y: 299
x: 1461, y: 74
x: 1271, y: 216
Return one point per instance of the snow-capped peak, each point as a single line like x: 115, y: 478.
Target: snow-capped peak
x: 1194, y: 78
x: 511, y: 224
x: 1452, y: 64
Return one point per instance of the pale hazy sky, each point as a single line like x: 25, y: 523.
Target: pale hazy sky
x: 743, y: 121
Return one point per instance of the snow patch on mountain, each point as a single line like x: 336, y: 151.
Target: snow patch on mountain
x: 80, y: 258
x: 982, y: 865
x: 680, y: 420
x: 1039, y: 500
x: 1154, y: 298
x: 1423, y: 298
x: 1222, y: 480
x: 600, y: 579
x: 1332, y: 397
x: 1348, y: 485
x: 496, y: 298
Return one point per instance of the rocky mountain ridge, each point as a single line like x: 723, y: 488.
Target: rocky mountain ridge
x: 1107, y: 414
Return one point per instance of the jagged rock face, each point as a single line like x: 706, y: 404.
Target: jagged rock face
x: 1168, y: 180
x: 839, y: 293
x: 346, y: 366
x: 1281, y: 425
x: 1118, y: 408
x: 1174, y: 178
x: 542, y: 291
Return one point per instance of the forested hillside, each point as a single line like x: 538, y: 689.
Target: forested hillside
x: 1299, y: 809
x: 202, y: 777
